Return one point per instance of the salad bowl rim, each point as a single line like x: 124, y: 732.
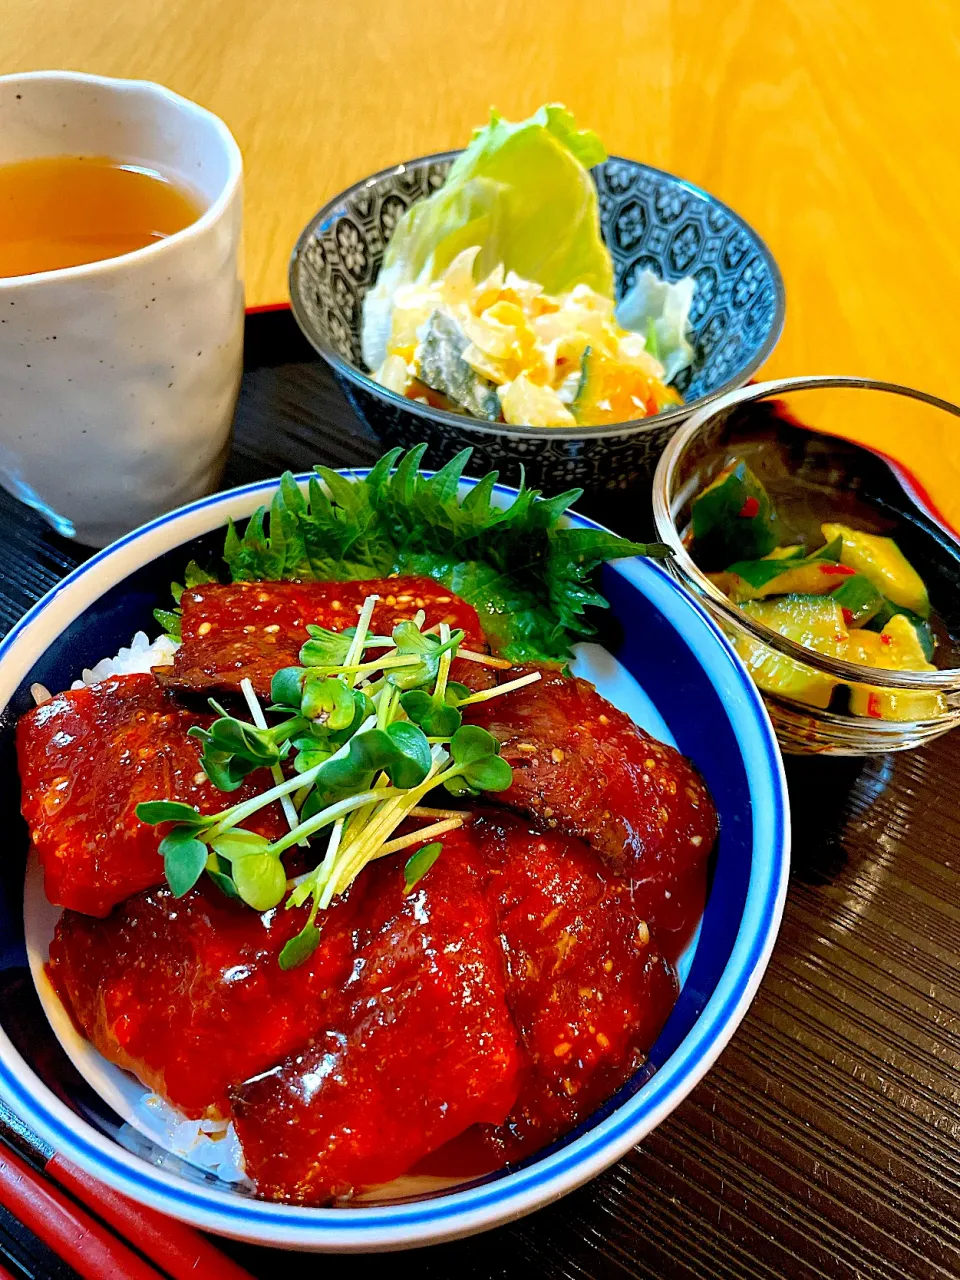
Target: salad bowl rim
x: 347, y: 369
x: 480, y: 1206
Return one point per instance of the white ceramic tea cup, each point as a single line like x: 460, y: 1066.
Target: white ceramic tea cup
x: 119, y: 378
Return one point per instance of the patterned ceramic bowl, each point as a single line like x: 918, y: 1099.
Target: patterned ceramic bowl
x: 649, y: 220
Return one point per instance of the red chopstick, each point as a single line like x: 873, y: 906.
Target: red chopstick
x: 181, y: 1251
x: 81, y: 1241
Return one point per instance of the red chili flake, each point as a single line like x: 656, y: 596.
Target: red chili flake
x: 836, y: 570
x: 750, y: 508
x: 885, y: 639
x: 873, y: 706
x: 847, y: 616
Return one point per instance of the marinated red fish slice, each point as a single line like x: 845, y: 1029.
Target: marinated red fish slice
x: 87, y: 758
x: 249, y: 630
x: 188, y: 993
x: 587, y: 983
x: 583, y: 767
x: 422, y: 1047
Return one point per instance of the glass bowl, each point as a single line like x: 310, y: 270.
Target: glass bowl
x: 789, y: 432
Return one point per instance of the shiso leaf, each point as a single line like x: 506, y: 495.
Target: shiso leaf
x: 169, y: 619
x: 529, y: 579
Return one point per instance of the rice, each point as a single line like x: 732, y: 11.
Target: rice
x: 141, y: 655
x: 210, y: 1145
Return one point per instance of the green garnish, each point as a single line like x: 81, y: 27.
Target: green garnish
x: 368, y: 737
x: 362, y: 764
x: 419, y: 863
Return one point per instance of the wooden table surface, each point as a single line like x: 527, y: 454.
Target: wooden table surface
x: 830, y: 126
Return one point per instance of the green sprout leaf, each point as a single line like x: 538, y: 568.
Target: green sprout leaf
x: 261, y: 880
x: 492, y: 773
x: 471, y: 743
x: 236, y: 843
x: 328, y: 700
x: 219, y: 872
x: 184, y: 857
x: 326, y: 648
x: 300, y: 948
x: 286, y: 687
x: 419, y: 863
x: 226, y: 772
x: 480, y: 767
x: 154, y: 811
x: 437, y: 717
x: 411, y: 761
x: 410, y: 641
x: 401, y: 751
x: 233, y: 749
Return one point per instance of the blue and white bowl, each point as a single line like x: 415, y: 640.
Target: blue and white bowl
x: 649, y: 220
x: 673, y: 672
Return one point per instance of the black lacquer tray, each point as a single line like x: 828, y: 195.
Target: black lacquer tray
x: 826, y: 1141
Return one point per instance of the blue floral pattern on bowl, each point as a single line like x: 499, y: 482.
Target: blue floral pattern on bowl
x: 649, y: 219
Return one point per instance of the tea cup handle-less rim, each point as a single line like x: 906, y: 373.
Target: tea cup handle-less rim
x: 136, y: 88
x: 945, y: 682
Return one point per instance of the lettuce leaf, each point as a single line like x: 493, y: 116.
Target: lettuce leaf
x: 521, y: 192
x: 527, y: 576
x: 661, y: 312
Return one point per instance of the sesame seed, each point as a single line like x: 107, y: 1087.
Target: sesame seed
x: 548, y: 812
x: 199, y: 778
x: 335, y: 604
x: 556, y: 755
x: 262, y: 597
x: 696, y: 841
x: 527, y: 748
x: 563, y: 1048
x: 391, y: 600
x: 250, y: 627
x: 602, y: 1040
x: 608, y: 966
x: 643, y: 934
x: 604, y: 719
x: 204, y: 628
x: 649, y: 764
x: 272, y: 629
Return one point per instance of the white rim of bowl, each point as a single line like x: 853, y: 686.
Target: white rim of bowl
x: 513, y: 1195
x: 209, y: 216
x: 463, y: 421
x: 945, y: 681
